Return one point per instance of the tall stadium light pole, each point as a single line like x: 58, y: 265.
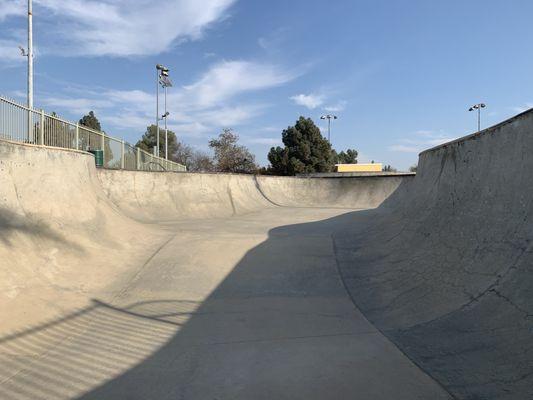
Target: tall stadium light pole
x: 164, y: 80
x: 161, y: 79
x: 478, y: 107
x: 166, y: 130
x: 329, y: 117
x: 30, y: 54
x: 158, y: 68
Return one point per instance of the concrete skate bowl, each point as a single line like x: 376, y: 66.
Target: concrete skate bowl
x: 229, y: 286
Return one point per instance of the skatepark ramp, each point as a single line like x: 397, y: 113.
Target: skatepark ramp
x: 445, y: 267
x: 129, y: 284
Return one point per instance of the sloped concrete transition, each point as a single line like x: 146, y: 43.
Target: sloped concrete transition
x: 135, y: 285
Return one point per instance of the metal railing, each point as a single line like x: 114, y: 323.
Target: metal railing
x: 22, y: 124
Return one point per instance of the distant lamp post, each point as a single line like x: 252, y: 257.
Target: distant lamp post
x: 478, y: 107
x: 164, y: 116
x: 329, y: 118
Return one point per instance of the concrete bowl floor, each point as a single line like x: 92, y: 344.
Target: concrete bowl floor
x: 250, y: 307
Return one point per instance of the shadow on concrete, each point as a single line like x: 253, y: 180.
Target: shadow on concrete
x: 279, y: 326
x: 11, y: 223
x: 68, y: 356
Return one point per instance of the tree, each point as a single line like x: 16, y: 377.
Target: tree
x: 389, y: 168
x: 177, y: 151
x: 305, y: 150
x: 90, y: 121
x: 413, y: 168
x: 194, y: 160
x: 231, y: 157
x: 346, y: 157
x: 201, y: 162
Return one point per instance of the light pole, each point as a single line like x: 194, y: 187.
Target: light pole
x: 478, y: 107
x: 166, y: 83
x: 158, y: 67
x: 29, y: 54
x: 163, y: 80
x: 329, y: 118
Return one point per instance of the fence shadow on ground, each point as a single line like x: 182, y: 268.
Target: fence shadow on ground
x: 175, y: 348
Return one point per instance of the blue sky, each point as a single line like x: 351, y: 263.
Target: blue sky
x: 400, y: 75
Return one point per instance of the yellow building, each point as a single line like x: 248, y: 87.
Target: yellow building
x: 374, y: 167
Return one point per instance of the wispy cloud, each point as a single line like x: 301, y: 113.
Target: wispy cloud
x: 121, y: 27
x: 210, y: 103
x: 274, y: 40
x: 9, y: 51
x: 311, y: 101
x: 337, y: 107
x: 9, y: 8
x: 270, y: 141
x: 523, y: 108
x: 419, y: 141
x: 76, y: 105
x: 227, y: 78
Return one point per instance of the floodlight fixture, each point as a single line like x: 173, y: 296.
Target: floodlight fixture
x: 329, y: 117
x: 478, y: 107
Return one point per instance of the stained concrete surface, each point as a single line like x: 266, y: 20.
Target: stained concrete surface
x: 211, y: 286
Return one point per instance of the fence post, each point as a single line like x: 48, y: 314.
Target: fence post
x: 41, y: 129
x: 122, y: 155
x: 102, y: 145
x: 31, y: 136
x: 77, y: 136
x: 138, y: 163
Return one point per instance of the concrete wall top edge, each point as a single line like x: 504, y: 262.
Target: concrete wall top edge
x: 48, y: 148
x: 478, y: 134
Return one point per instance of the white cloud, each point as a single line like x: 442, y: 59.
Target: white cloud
x: 229, y: 116
x: 10, y: 7
x: 337, y: 107
x: 78, y: 106
x: 120, y: 27
x: 310, y: 101
x: 420, y: 141
x: 9, y: 51
x: 274, y: 40
x: 206, y: 105
x: 228, y: 78
x: 401, y: 148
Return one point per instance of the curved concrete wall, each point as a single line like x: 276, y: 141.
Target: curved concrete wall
x: 150, y: 196
x: 445, y: 269
x: 358, y: 192
x: 58, y: 234
x: 63, y: 223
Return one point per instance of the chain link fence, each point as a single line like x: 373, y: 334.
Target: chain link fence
x: 22, y: 124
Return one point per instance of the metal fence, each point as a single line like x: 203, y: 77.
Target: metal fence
x: 22, y: 124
